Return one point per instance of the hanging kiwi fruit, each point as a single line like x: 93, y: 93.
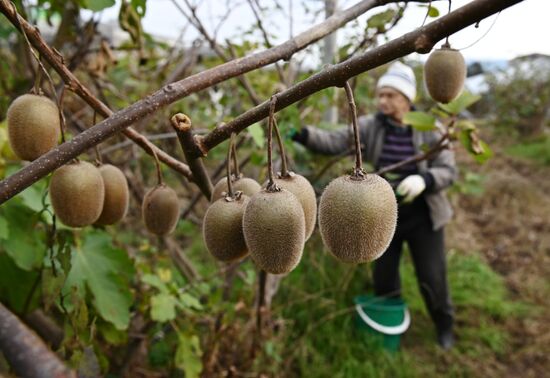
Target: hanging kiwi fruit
x: 246, y: 185
x: 77, y: 193
x: 445, y: 73
x: 160, y: 208
x: 273, y: 222
x: 117, y: 195
x: 297, y: 185
x: 357, y: 212
x: 222, y: 227
x: 34, y: 126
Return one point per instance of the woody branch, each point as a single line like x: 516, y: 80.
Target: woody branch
x: 420, y: 40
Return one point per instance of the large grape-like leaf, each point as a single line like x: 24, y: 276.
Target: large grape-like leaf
x: 105, y: 270
x: 20, y: 238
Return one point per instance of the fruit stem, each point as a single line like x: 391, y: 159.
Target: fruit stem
x: 284, y: 166
x: 271, y: 187
x: 236, y: 170
x: 157, y: 163
x: 228, y: 166
x: 61, y: 115
x: 353, y: 112
x: 447, y: 39
x: 98, y: 158
x: 38, y: 78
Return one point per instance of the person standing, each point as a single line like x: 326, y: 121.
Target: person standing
x: 423, y: 208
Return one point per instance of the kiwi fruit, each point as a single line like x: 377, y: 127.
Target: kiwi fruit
x: 246, y: 185
x: 444, y: 74
x: 161, y: 210
x: 222, y: 228
x: 117, y: 195
x: 357, y: 217
x: 274, y: 230
x: 302, y: 189
x: 33, y: 126
x: 77, y: 193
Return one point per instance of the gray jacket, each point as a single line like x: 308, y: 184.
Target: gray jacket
x: 371, y: 129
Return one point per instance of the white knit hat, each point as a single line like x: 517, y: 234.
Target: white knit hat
x: 400, y: 77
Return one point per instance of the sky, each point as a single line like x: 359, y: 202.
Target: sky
x: 519, y: 30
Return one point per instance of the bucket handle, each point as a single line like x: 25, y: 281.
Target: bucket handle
x: 395, y: 330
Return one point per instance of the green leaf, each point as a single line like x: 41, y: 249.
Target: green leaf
x: 25, y: 244
x: 189, y: 301
x: 140, y: 6
x: 51, y: 287
x: 378, y: 21
x: 188, y: 355
x: 460, y: 103
x: 105, y: 271
x: 163, y: 307
x: 419, y: 120
x: 154, y: 281
x: 16, y: 284
x: 98, y: 5
x: 4, y: 228
x: 257, y: 134
x: 433, y: 11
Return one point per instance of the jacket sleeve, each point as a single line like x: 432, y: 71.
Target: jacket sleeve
x: 442, y: 168
x: 334, y: 142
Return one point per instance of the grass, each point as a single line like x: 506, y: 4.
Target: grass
x: 319, y: 339
x: 537, y: 150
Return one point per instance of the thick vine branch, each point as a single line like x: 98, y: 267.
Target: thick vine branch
x: 421, y: 40
x: 57, y: 63
x: 26, y: 352
x: 182, y: 125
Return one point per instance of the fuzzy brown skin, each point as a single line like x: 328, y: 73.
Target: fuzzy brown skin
x: 222, y: 229
x: 161, y: 210
x: 302, y: 189
x: 357, y: 218
x: 246, y: 185
x: 117, y: 195
x: 445, y: 73
x: 274, y: 230
x: 33, y: 126
x: 77, y: 193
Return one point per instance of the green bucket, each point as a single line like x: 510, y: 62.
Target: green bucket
x: 383, y: 318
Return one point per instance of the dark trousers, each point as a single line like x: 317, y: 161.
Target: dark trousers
x: 427, y: 249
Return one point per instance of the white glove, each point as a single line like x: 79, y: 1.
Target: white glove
x: 411, y: 187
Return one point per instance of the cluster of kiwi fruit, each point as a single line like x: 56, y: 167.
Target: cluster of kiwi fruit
x: 81, y: 193
x: 445, y: 73
x: 269, y: 223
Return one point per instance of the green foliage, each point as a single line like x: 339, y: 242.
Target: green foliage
x: 97, y: 5
x: 420, y: 120
x: 188, y: 355
x: 461, y: 103
x: 519, y: 96
x: 105, y: 271
x: 537, y: 150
